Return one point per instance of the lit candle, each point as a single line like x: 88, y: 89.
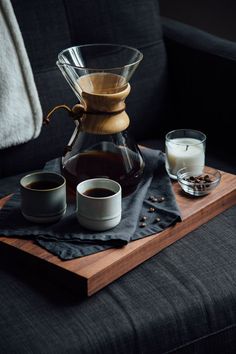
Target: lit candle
x: 184, y: 152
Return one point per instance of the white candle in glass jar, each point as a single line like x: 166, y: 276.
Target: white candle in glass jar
x: 184, y: 152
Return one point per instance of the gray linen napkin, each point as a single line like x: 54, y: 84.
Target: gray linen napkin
x: 68, y: 240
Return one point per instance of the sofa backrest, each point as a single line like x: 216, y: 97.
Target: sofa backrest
x: 48, y: 26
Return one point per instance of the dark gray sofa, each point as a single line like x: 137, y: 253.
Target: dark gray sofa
x: 183, y: 300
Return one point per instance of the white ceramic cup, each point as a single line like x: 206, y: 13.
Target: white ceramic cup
x: 43, y: 196
x: 98, y: 204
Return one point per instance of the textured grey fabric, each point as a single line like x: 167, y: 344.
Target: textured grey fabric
x: 68, y: 239
x: 184, y: 297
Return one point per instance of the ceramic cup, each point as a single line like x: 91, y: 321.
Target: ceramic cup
x: 43, y: 197
x: 98, y: 204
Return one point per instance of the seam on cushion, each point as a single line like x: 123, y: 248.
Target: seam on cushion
x: 158, y: 42
x: 214, y: 42
x: 196, y: 48
x: 108, y: 18
x: 40, y: 71
x: 67, y: 18
x: 54, y: 68
x: 204, y: 51
x: 200, y: 339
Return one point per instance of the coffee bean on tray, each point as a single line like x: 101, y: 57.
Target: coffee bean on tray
x: 151, y: 210
x: 157, y: 219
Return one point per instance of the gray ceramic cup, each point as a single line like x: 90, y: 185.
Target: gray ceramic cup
x: 43, y: 197
x: 98, y: 204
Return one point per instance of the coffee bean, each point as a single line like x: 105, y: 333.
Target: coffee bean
x: 151, y: 210
x: 199, y: 181
x: 152, y: 199
x: 142, y: 224
x: 157, y: 219
x: 161, y: 199
x: 207, y: 179
x: 143, y: 218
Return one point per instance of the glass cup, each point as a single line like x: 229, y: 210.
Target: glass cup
x: 184, y: 148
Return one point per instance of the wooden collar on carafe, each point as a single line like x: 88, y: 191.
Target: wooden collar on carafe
x: 103, y: 113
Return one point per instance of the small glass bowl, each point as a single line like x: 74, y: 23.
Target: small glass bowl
x: 198, y: 180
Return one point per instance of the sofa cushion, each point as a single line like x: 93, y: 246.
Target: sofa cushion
x: 182, y: 299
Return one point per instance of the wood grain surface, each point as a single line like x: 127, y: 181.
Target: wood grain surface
x: 96, y: 271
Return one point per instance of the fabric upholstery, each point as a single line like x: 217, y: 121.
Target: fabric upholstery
x: 184, y: 298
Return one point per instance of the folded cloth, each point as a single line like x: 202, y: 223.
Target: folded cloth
x: 68, y: 239
x: 20, y: 110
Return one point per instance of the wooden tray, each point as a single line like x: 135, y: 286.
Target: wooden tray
x: 92, y: 273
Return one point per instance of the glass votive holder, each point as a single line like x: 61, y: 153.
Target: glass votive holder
x: 184, y: 148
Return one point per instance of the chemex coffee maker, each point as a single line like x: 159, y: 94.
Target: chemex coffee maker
x: 100, y: 145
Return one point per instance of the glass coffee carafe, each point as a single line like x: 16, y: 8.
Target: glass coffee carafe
x: 101, y: 146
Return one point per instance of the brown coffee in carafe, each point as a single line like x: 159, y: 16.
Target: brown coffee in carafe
x: 104, y: 164
x: 100, y: 146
